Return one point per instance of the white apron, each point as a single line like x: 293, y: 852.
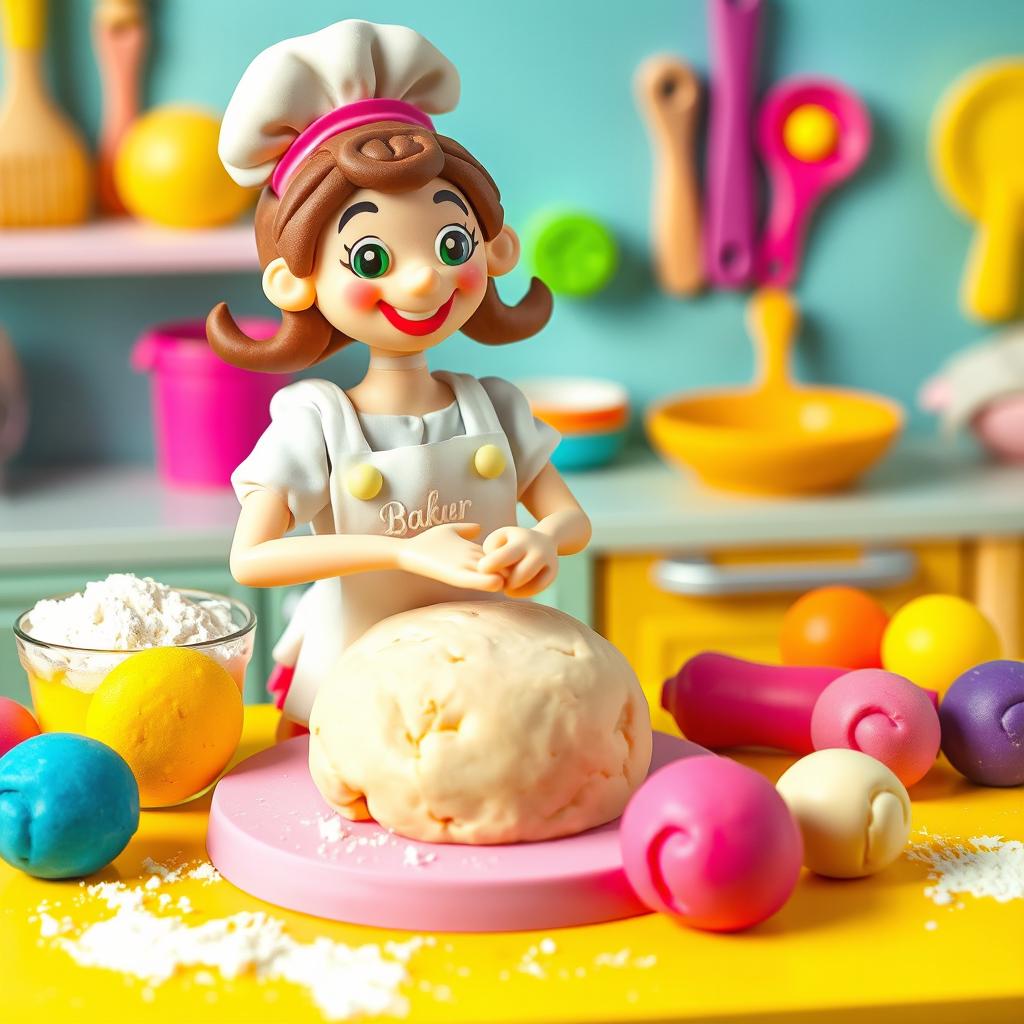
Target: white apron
x: 470, y: 478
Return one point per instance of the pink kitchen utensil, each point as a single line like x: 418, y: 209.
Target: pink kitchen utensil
x: 812, y: 134
x: 207, y: 414
x: 719, y: 702
x: 730, y: 190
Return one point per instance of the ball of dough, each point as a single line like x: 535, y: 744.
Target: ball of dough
x: 853, y: 812
x: 480, y: 722
x: 880, y: 714
x: 983, y: 724
x: 68, y: 805
x: 711, y: 842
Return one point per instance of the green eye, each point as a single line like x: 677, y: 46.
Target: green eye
x: 454, y: 245
x: 369, y: 258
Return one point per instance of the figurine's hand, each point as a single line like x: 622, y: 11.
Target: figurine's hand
x: 527, y: 559
x: 447, y: 554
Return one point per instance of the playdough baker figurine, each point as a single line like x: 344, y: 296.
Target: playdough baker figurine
x: 374, y: 227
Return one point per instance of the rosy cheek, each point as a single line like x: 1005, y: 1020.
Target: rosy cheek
x: 363, y: 295
x: 469, y: 278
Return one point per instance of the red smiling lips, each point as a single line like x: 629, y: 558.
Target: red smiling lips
x: 417, y: 327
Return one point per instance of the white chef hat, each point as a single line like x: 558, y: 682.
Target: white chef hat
x: 302, y: 91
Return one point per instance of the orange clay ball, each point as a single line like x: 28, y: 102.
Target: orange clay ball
x: 838, y: 626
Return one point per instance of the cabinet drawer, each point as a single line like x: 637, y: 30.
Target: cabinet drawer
x: 658, y: 630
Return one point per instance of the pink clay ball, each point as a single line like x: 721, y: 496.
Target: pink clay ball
x: 880, y: 714
x: 711, y: 842
x: 16, y: 724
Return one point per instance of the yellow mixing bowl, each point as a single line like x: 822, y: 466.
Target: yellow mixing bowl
x: 776, y: 437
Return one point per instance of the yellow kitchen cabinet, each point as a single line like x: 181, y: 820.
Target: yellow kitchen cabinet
x: 734, y: 601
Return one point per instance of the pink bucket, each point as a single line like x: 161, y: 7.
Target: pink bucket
x: 207, y: 415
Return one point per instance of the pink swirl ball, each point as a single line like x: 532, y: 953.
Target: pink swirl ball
x: 711, y: 842
x: 880, y: 714
x: 16, y: 725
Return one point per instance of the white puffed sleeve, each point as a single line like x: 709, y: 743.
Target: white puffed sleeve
x: 531, y: 440
x: 291, y: 456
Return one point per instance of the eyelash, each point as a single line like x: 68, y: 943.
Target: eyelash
x: 469, y: 231
x: 472, y: 235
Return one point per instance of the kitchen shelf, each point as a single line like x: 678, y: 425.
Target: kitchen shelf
x: 124, y: 247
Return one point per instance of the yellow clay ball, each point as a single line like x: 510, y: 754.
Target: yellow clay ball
x: 489, y: 461
x: 811, y: 133
x: 175, y: 715
x: 364, y: 481
x: 934, y: 639
x: 167, y: 171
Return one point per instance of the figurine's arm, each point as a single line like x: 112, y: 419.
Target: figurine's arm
x: 558, y: 513
x: 528, y: 558
x: 262, y: 556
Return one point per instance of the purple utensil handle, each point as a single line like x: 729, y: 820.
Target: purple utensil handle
x: 730, y: 214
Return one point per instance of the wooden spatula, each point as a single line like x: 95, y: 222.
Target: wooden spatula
x: 45, y: 172
x: 120, y: 36
x: 669, y: 95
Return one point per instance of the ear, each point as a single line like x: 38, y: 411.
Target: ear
x: 285, y: 290
x: 502, y: 252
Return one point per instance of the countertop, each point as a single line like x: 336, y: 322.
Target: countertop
x: 874, y: 949
x: 924, y: 489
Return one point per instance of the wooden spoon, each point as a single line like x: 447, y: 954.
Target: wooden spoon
x: 669, y: 95
x: 120, y: 37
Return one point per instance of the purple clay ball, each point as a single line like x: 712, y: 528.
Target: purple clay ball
x: 982, y: 718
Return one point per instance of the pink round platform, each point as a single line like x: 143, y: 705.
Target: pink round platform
x: 272, y: 835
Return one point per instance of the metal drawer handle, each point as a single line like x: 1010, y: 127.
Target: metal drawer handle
x: 698, y: 576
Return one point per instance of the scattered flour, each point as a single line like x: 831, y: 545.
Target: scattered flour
x: 535, y: 964
x: 332, y: 829
x: 120, y: 613
x: 344, y: 981
x: 414, y: 857
x: 625, y: 958
x: 985, y: 866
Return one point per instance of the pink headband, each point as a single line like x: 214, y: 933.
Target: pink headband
x: 352, y: 115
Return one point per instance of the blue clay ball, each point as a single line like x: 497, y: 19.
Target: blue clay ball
x: 68, y: 805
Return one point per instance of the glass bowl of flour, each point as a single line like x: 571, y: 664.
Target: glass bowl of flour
x: 68, y: 644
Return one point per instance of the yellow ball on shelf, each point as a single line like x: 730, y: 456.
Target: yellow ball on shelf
x: 167, y: 171
x: 934, y: 639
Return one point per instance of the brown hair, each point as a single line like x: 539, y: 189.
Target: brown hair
x: 386, y: 157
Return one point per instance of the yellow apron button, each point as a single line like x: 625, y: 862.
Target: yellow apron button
x: 489, y: 461
x: 364, y: 481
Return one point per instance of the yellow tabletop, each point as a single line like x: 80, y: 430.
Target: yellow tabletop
x: 835, y: 952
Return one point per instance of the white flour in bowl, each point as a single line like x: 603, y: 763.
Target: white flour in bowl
x: 126, y: 613
x: 121, y: 613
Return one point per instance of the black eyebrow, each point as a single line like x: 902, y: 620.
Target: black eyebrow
x: 447, y: 196
x: 353, y: 210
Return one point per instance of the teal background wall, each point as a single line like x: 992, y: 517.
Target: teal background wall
x: 548, y: 108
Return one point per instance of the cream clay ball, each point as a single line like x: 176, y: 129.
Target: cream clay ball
x: 853, y: 812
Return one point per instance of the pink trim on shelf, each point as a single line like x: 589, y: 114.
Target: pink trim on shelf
x: 352, y: 115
